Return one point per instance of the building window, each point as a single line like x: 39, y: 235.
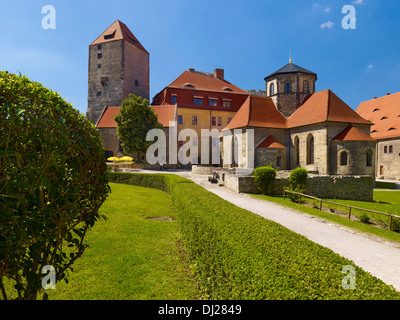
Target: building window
x: 180, y: 119
x: 368, y: 159
x: 213, y: 121
x: 198, y: 101
x: 99, y: 66
x: 288, y: 87
x: 297, y: 150
x: 227, y: 103
x: 173, y: 99
x: 306, y: 87
x: 194, y: 120
x: 99, y: 55
x: 344, y: 158
x: 271, y: 89
x: 219, y: 122
x: 99, y: 47
x: 279, y: 161
x: 137, y: 83
x: 228, y: 121
x: 385, y: 149
x: 390, y: 149
x: 310, y: 149
x: 213, y: 102
x: 98, y: 93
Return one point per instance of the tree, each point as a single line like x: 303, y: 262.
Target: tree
x: 263, y: 177
x: 52, y: 184
x: 134, y: 121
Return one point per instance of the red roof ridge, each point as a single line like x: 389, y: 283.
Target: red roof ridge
x: 351, y: 133
x: 270, y: 142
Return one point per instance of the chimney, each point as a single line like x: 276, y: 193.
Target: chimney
x: 388, y: 94
x: 219, y: 73
x: 191, y: 69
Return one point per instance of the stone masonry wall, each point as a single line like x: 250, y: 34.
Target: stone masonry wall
x: 329, y: 187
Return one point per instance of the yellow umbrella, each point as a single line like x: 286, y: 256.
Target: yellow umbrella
x: 113, y: 159
x: 126, y: 158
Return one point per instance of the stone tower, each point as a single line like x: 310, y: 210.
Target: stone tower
x: 118, y: 66
x: 289, y: 86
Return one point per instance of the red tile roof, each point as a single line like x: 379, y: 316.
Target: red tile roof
x: 118, y: 31
x: 384, y: 113
x: 165, y: 113
x: 257, y: 112
x: 351, y: 133
x: 320, y: 107
x: 270, y: 143
x: 203, y: 81
x: 324, y: 106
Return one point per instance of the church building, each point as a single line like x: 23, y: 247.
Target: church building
x: 295, y: 126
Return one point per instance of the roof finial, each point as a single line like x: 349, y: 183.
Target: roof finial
x: 290, y: 60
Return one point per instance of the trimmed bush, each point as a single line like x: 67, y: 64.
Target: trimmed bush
x: 264, y: 177
x: 297, y: 182
x: 52, y: 183
x: 236, y: 254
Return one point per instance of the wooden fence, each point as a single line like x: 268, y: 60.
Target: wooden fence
x: 321, y: 201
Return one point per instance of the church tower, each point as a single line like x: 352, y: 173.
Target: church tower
x: 289, y: 86
x: 118, y: 66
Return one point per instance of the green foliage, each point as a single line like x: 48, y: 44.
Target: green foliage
x: 364, y: 218
x: 385, y: 185
x: 52, y: 183
x: 134, y: 121
x: 264, y: 177
x: 237, y: 255
x: 297, y: 182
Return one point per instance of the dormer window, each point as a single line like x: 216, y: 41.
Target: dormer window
x: 189, y: 85
x: 227, y: 89
x: 376, y: 109
x: 109, y: 36
x: 384, y: 118
x: 272, y: 89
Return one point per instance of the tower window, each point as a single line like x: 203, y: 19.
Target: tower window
x: 137, y: 83
x: 99, y: 66
x: 271, y: 89
x: 390, y: 149
x: 310, y: 149
x: 306, y: 87
x: 99, y: 55
x: 369, y: 158
x: 279, y: 161
x: 99, y: 47
x: 288, y: 87
x: 385, y: 149
x: 98, y: 93
x: 109, y: 36
x: 344, y: 158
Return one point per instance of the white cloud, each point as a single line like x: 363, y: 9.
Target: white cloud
x: 358, y: 2
x: 326, y: 25
x: 327, y: 9
x: 370, y: 66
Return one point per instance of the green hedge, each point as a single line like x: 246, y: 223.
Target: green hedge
x: 385, y: 185
x: 236, y: 254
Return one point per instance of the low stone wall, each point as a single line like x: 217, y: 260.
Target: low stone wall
x: 329, y: 187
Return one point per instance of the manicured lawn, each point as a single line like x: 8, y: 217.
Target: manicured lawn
x: 384, y: 201
x: 130, y: 256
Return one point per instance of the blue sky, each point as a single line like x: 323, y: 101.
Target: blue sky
x: 249, y: 39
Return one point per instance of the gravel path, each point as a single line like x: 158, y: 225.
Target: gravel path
x: 375, y: 255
